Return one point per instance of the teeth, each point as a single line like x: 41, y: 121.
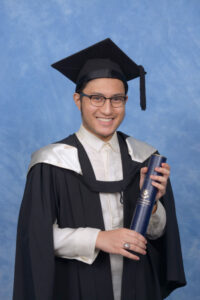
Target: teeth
x: 104, y: 120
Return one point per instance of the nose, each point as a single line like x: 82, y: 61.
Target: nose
x: 107, y: 107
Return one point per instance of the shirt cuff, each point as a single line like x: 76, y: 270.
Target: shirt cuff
x: 157, y: 223
x: 76, y: 244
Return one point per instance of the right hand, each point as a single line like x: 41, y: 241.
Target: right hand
x: 112, y: 241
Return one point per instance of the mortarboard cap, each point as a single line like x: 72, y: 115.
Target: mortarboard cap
x: 102, y: 60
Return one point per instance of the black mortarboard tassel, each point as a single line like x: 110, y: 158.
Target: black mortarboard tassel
x: 142, y: 88
x: 102, y: 60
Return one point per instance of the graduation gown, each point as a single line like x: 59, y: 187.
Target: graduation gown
x: 61, y: 186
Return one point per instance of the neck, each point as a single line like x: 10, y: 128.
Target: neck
x: 101, y: 137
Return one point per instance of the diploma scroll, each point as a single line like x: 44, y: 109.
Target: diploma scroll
x: 147, y: 197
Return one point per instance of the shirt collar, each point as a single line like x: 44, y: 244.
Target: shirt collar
x: 95, y: 142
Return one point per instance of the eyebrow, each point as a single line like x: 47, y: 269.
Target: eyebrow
x: 100, y: 94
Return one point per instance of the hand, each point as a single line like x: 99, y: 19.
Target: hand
x: 161, y: 181
x: 112, y: 241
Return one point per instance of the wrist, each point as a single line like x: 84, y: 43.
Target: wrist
x: 98, y: 240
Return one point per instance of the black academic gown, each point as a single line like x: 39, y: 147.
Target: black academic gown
x: 57, y: 193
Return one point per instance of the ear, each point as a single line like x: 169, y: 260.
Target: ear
x: 77, y: 100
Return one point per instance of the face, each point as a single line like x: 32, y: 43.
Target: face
x: 101, y: 121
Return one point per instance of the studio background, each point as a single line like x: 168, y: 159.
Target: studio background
x: 37, y: 108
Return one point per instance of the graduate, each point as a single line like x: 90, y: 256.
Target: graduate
x: 74, y: 240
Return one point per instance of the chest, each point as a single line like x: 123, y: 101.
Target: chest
x: 106, y: 163
x: 78, y: 206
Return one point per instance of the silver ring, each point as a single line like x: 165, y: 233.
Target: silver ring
x: 127, y: 246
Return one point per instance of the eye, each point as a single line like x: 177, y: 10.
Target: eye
x: 118, y: 98
x: 96, y: 98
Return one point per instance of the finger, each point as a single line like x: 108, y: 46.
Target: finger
x: 127, y: 254
x: 136, y: 248
x: 135, y: 235
x: 137, y: 243
x: 162, y: 170
x: 160, y: 179
x: 166, y: 166
x: 161, y: 188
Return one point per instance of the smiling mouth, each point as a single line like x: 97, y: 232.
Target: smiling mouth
x: 105, y: 120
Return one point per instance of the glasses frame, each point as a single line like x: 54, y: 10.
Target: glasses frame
x: 104, y: 99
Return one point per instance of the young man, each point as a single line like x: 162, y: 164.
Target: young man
x: 74, y: 240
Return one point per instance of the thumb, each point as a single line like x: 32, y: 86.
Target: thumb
x: 143, y: 171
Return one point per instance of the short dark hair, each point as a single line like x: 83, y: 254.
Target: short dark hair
x: 80, y: 87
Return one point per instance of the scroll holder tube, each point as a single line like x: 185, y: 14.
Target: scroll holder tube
x: 147, y: 197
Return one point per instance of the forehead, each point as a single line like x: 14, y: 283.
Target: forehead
x: 105, y: 85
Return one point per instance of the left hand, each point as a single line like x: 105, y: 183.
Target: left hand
x: 161, y: 181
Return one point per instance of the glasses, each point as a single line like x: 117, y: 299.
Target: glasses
x: 99, y: 100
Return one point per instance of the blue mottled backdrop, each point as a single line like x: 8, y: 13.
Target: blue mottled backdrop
x: 36, y: 101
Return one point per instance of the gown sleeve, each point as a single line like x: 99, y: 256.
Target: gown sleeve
x: 174, y: 268
x: 76, y: 243
x: 170, y: 261
x: 157, y: 223
x: 34, y: 264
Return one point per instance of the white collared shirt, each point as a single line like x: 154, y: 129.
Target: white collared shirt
x: 80, y: 243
